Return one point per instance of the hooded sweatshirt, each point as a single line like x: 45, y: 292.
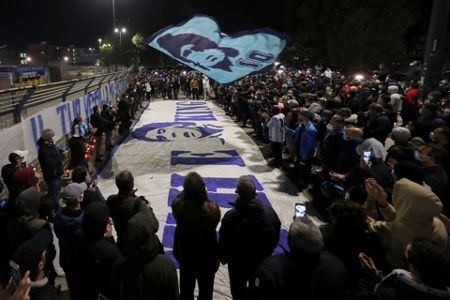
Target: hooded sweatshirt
x: 94, y: 254
x: 143, y: 273
x: 413, y: 214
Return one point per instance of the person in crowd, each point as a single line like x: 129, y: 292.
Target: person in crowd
x: 143, y: 273
x: 195, y: 88
x: 148, y: 90
x: 425, y: 275
x: 412, y: 214
x: 195, y: 240
x: 77, y: 143
x: 51, y: 162
x: 277, y: 134
x: 92, y: 193
x: 99, y: 123
x: 108, y: 114
x: 307, y: 134
x: 27, y: 222
x: 32, y: 256
x: 410, y: 105
x: 125, y: 204
x: 402, y: 149
x: 432, y: 157
x: 67, y: 220
x: 370, y: 165
x: 378, y: 124
x: 428, y: 121
x: 333, y: 143
x: 306, y: 271
x: 16, y: 160
x: 347, y: 235
x: 95, y: 253
x: 248, y: 234
x: 124, y: 108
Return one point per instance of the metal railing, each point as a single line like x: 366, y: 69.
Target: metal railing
x: 19, y: 103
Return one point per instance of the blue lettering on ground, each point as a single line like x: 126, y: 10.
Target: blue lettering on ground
x: 194, y: 111
x: 221, y: 157
x: 223, y: 199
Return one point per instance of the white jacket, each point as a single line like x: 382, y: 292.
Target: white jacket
x: 277, y: 133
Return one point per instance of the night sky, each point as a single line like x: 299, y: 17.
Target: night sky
x: 82, y: 22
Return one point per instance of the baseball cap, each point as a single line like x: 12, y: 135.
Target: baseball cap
x: 21, y: 153
x: 29, y: 254
x: 25, y: 177
x: 73, y: 191
x: 353, y: 119
x: 374, y: 146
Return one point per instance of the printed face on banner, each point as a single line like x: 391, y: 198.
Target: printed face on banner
x: 199, y: 44
x: 176, y: 131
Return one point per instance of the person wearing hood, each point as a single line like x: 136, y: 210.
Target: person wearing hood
x: 248, y: 234
x: 306, y: 271
x: 95, y: 253
x: 67, y: 220
x: 413, y: 214
x: 22, y: 179
x: 143, y: 273
x: 51, y: 162
x: 425, y: 276
x: 195, y: 240
x: 26, y: 224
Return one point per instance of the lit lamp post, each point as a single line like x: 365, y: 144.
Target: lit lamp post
x: 120, y: 31
x: 28, y: 59
x: 99, y: 43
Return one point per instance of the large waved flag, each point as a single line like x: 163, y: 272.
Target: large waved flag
x: 199, y: 44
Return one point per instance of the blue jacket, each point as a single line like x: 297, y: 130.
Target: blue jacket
x: 308, y: 139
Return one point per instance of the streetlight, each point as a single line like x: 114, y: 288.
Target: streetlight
x: 99, y: 42
x: 66, y: 58
x: 28, y: 59
x: 120, y: 31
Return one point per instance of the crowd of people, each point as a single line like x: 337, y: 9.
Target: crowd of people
x: 375, y: 148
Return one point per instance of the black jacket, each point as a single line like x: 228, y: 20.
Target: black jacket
x: 107, y: 116
x: 287, y: 277
x: 94, y: 255
x: 144, y: 273
x: 122, y: 208
x: 7, y: 175
x: 379, y: 127
x: 195, y: 241
x: 331, y: 146
x: 100, y: 123
x: 248, y: 234
x: 50, y: 160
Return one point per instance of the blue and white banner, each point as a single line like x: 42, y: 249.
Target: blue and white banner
x: 162, y: 150
x: 199, y: 44
x: 59, y: 118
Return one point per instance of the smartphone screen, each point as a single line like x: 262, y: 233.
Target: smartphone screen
x: 15, y: 272
x: 300, y: 210
x: 366, y: 156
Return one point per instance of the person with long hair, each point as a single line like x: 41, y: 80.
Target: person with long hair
x: 195, y: 241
